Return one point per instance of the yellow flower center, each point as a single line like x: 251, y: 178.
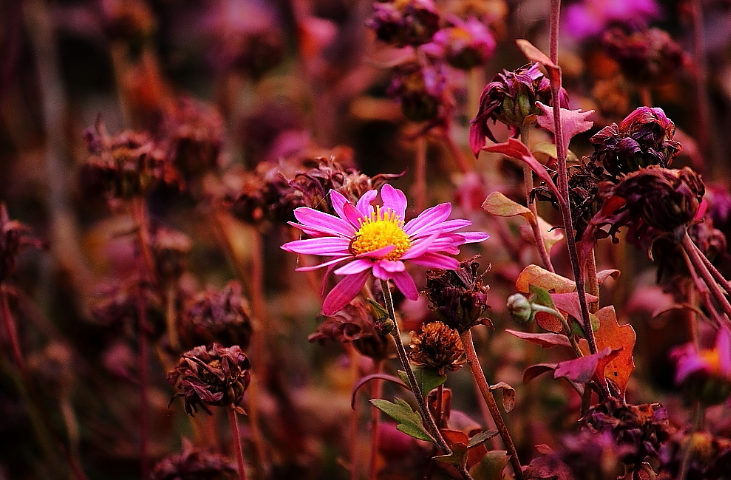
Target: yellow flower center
x: 381, y: 229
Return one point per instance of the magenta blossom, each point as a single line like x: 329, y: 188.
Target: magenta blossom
x: 375, y: 239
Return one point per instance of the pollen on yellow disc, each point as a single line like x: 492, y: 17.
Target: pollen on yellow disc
x: 381, y: 229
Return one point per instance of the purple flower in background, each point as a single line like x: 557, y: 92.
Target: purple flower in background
x: 705, y: 373
x: 376, y: 240
x: 466, y: 44
x: 590, y: 17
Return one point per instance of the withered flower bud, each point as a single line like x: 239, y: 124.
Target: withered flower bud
x: 13, y: 239
x: 510, y: 99
x: 212, y: 375
x: 663, y: 198
x: 217, y: 316
x: 584, y: 199
x: 170, y: 250
x: 358, y: 324
x: 458, y: 297
x: 124, y: 166
x: 638, y: 430
x: 420, y: 89
x: 645, y: 57
x: 642, y: 139
x: 273, y: 191
x: 709, y: 456
x: 194, y: 464
x: 466, y: 44
x: 118, y: 306
x: 437, y: 346
x: 404, y: 22
x: 191, y: 135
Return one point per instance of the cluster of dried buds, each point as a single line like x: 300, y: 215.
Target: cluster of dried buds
x: 273, y: 191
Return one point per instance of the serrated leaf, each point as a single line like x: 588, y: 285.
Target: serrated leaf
x: 491, y: 466
x: 501, y: 206
x: 481, y: 438
x: 508, y: 395
x: 408, y: 421
x: 427, y: 378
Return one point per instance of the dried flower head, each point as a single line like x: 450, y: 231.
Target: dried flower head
x: 124, y: 166
x: 511, y: 99
x: 356, y: 323
x: 376, y: 240
x: 645, y: 57
x: 421, y: 89
x: 458, y: 297
x: 170, y: 250
x: 651, y: 201
x: 706, y: 373
x: 191, y: 134
x: 194, y: 464
x: 639, y: 430
x: 404, y: 22
x: 221, y: 316
x: 13, y: 239
x: 212, y: 375
x: 437, y: 346
x: 118, y: 306
x: 465, y: 44
x: 273, y: 191
x: 643, y: 138
x: 705, y: 456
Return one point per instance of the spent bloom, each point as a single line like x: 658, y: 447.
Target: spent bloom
x: 377, y: 240
x: 510, y: 99
x: 405, y: 22
x: 466, y: 44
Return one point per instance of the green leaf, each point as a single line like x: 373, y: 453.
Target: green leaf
x: 409, y: 422
x: 491, y: 466
x: 427, y: 378
x: 481, y: 437
x: 541, y: 296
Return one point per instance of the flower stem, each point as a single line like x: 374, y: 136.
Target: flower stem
x: 419, y: 187
x: 233, y: 421
x: 695, y: 258
x: 535, y: 227
x: 376, y: 392
x: 12, y: 332
x: 702, y: 289
x: 459, y: 157
x: 593, y: 281
x: 420, y: 400
x: 563, y: 185
x: 698, y: 415
x: 481, y: 381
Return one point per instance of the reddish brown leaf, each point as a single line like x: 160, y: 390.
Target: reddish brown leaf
x: 517, y: 149
x: 534, y: 370
x: 615, y: 337
x: 538, y: 276
x: 569, y: 302
x: 545, y: 340
x: 501, y: 206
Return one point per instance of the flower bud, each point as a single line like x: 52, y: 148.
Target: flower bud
x: 520, y: 308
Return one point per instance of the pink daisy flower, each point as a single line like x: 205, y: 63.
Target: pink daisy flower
x: 376, y: 240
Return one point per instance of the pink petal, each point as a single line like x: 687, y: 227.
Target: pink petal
x: 419, y: 247
x: 356, y: 266
x: 309, y: 268
x: 323, y: 222
x: 436, y: 260
x: 473, y: 237
x: 378, y: 254
x: 394, y: 199
x: 451, y: 225
x: 392, y: 266
x: 405, y: 283
x: 380, y: 273
x: 364, y: 204
x: 338, y: 200
x: 427, y: 218
x: 319, y: 246
x: 353, y: 215
x: 343, y: 293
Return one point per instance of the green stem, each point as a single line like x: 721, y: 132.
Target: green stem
x: 474, y: 363
x: 420, y: 399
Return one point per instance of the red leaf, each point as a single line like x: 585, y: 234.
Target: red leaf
x: 518, y: 150
x: 569, y: 302
x: 545, y: 340
x: 581, y: 370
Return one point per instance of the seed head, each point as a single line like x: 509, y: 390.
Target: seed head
x: 437, y: 346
